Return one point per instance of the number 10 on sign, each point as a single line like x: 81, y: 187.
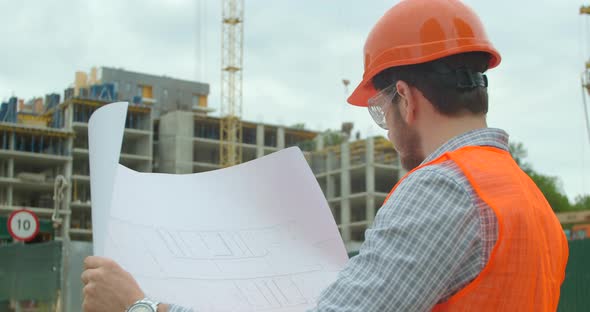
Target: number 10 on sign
x: 23, y: 225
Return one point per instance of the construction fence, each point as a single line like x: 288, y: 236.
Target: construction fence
x: 575, y: 291
x: 31, y: 277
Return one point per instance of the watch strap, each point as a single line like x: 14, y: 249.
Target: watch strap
x: 152, y: 303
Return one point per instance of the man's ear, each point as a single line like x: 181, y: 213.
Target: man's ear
x: 407, y: 104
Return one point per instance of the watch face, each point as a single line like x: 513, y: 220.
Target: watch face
x: 141, y: 307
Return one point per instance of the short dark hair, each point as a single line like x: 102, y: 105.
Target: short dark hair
x: 447, y: 100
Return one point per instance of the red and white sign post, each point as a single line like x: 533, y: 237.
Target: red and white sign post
x: 23, y: 225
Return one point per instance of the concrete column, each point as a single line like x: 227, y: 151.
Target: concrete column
x: 345, y: 190
x: 150, y: 144
x: 150, y: 167
x: 144, y: 144
x: 10, y: 173
x: 330, y: 183
x: 11, y: 142
x: 281, y: 137
x: 10, y: 168
x: 68, y: 117
x: 9, y: 189
x: 67, y: 219
x: 370, y: 208
x: 176, y: 142
x: 67, y: 172
x: 330, y: 186
x: 319, y: 142
x: 370, y: 179
x: 330, y: 161
x: 259, y: 140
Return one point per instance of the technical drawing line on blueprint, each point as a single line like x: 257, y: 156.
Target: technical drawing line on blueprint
x: 254, y: 237
x: 259, y: 281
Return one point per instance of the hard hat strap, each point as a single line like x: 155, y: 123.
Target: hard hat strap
x: 467, y: 79
x: 462, y: 78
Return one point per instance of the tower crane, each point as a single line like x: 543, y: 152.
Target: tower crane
x: 232, y: 48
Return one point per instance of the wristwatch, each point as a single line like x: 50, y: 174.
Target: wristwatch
x: 144, y: 305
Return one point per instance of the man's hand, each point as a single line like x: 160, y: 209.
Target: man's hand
x: 107, y: 287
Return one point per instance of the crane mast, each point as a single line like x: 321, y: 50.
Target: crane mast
x: 232, y: 48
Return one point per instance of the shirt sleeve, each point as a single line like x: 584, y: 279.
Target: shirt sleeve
x: 421, y: 239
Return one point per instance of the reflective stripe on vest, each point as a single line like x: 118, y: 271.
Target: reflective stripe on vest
x: 527, y: 264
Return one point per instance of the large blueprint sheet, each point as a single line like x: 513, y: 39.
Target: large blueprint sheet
x: 254, y: 237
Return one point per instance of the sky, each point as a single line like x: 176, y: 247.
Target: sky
x: 296, y: 54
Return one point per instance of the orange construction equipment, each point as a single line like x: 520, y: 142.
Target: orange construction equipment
x: 419, y: 31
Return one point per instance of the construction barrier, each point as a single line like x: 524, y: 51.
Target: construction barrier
x: 575, y: 291
x: 32, y: 275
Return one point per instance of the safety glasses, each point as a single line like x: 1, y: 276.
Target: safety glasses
x: 380, y: 104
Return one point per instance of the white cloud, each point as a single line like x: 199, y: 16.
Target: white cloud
x: 297, y: 52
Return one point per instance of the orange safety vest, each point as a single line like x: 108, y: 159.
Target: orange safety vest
x: 527, y: 265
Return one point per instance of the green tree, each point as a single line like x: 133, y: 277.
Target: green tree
x: 332, y: 138
x: 307, y: 145
x: 298, y: 126
x: 550, y: 186
x: 582, y: 202
x: 519, y: 153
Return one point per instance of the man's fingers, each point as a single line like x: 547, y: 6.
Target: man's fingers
x: 89, y: 275
x: 93, y: 262
x: 85, y: 278
x: 88, y: 304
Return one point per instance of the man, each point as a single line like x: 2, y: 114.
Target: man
x: 465, y: 229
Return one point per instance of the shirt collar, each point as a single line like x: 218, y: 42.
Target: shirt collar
x: 480, y: 137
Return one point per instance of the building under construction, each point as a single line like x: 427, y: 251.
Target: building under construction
x: 168, y: 129
x: 355, y: 177
x: 31, y: 156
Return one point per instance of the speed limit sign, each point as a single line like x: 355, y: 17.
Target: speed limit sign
x: 23, y: 225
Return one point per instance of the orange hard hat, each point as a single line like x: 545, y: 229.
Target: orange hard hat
x: 419, y: 31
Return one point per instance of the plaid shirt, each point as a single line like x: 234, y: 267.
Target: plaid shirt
x: 430, y: 239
